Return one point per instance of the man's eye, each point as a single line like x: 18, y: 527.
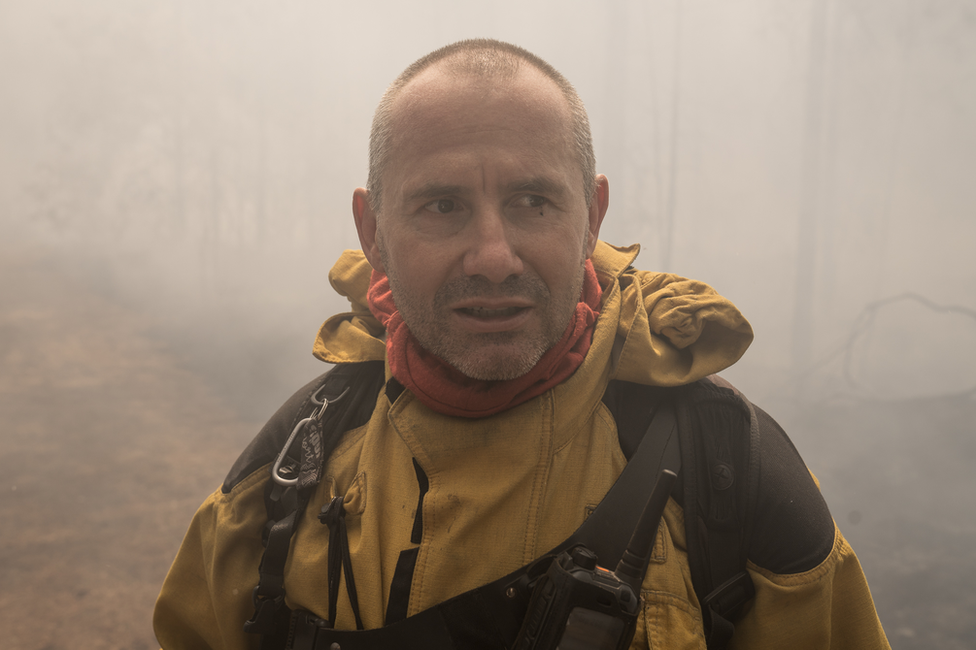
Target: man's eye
x: 441, y: 206
x: 533, y: 201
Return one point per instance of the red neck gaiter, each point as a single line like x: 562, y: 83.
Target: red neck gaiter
x: 446, y: 390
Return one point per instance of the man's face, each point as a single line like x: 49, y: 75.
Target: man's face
x: 484, y: 225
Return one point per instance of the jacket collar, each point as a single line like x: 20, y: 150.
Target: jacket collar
x: 669, y: 330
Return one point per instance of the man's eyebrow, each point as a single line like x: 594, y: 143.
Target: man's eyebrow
x: 539, y: 185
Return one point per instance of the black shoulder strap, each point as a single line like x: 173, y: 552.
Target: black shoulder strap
x: 351, y: 391
x: 718, y: 490
x: 719, y: 453
x: 364, y: 379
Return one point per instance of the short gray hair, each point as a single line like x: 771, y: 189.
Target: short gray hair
x: 486, y: 58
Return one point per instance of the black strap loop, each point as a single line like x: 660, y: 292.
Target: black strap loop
x: 333, y: 515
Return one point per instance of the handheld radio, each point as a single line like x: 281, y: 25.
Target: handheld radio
x: 579, y: 605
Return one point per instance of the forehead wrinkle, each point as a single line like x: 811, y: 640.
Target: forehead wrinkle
x: 434, y: 189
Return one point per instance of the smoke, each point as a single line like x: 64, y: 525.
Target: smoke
x: 193, y: 162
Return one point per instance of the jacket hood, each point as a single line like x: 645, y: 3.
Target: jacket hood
x: 669, y: 330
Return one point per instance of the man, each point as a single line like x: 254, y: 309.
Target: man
x: 502, y: 319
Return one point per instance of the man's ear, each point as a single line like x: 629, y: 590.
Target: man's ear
x: 365, y: 218
x: 598, y: 209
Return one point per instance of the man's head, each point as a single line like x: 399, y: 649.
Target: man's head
x: 482, y: 205
x: 485, y: 59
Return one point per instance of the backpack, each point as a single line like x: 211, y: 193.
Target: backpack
x: 717, y: 451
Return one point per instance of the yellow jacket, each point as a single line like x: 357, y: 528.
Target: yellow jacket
x: 502, y: 490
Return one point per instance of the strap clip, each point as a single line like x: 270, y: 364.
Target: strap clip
x: 728, y: 597
x: 265, y: 612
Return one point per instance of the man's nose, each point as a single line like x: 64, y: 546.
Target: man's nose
x: 491, y: 250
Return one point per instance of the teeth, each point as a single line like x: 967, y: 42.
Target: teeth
x: 482, y: 312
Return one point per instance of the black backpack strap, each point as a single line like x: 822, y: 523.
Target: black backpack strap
x: 718, y: 489
x: 296, y: 441
x: 607, y: 530
x: 363, y: 378
x: 715, y: 455
x: 719, y: 450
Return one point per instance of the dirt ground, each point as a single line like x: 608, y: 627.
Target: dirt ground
x: 109, y: 441
x: 108, y: 446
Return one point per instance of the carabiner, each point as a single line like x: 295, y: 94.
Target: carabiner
x: 321, y: 405
x: 279, y: 479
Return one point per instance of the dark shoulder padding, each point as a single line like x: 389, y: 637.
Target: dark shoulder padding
x: 360, y: 377
x: 794, y: 531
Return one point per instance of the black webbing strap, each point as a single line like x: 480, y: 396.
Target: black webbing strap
x: 489, y: 617
x: 425, y: 631
x: 607, y: 530
x: 270, y: 616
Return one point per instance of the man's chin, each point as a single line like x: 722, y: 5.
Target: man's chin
x: 498, y: 366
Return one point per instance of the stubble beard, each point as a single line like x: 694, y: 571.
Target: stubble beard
x: 495, y: 356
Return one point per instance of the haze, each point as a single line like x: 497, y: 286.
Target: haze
x: 176, y: 180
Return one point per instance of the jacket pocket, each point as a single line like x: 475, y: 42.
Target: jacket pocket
x: 668, y: 622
